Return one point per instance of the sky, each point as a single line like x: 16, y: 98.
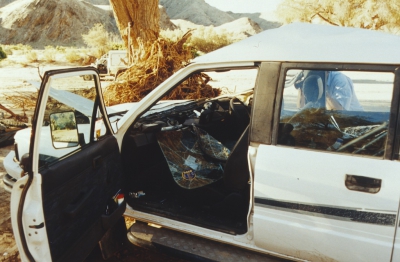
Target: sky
x: 245, y: 6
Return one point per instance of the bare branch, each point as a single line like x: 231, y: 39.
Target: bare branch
x: 41, y: 77
x: 325, y: 19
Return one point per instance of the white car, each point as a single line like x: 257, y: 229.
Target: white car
x: 301, y: 164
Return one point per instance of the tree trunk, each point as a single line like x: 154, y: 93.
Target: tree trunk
x: 144, y: 17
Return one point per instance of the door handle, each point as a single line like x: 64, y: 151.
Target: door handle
x: 363, y: 184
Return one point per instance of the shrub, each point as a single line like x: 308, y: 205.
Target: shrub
x: 98, y: 39
x: 117, y: 46
x: 207, y: 39
x: 61, y: 49
x: 7, y: 50
x: 203, y: 39
x: 3, y: 54
x: 115, y: 42
x: 31, y: 56
x: 50, y: 54
x: 73, y: 56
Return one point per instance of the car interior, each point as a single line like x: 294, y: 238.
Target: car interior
x: 187, y: 160
x: 189, y: 163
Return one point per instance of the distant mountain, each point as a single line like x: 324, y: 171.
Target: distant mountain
x: 260, y: 18
x: 196, y: 11
x: 165, y: 21
x: 98, y: 2
x: 201, y: 13
x: 239, y: 29
x: 5, y: 2
x: 93, y: 2
x: 29, y: 22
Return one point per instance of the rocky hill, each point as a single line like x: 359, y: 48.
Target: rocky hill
x: 239, y: 29
x: 94, y: 2
x: 62, y: 22
x: 264, y: 20
x: 195, y: 11
x: 5, y: 2
x: 201, y: 13
x: 29, y: 22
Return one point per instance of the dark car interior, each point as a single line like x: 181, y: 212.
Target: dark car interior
x: 191, y: 167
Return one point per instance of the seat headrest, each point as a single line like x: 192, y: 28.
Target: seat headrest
x: 313, y: 88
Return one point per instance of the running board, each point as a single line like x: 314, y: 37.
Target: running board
x: 190, y: 247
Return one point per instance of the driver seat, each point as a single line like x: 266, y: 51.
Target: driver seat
x: 235, y: 179
x: 236, y: 173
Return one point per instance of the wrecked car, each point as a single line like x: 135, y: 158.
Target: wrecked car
x: 110, y: 64
x: 297, y: 158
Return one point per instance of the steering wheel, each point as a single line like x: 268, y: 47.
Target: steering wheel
x: 235, y: 111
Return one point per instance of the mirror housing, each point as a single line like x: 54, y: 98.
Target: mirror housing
x: 64, y: 131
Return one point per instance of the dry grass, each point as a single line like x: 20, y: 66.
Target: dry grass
x: 49, y: 54
x: 72, y: 56
x: 31, y: 56
x: 152, y: 64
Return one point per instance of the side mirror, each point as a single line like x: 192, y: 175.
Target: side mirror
x: 64, y: 132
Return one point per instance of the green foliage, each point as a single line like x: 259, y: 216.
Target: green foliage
x: 3, y: 54
x: 117, y: 46
x: 369, y: 14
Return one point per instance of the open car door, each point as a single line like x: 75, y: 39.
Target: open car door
x: 65, y: 203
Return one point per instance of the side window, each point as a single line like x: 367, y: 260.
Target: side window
x: 68, y: 117
x: 336, y: 111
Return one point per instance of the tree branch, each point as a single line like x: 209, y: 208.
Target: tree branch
x: 325, y: 19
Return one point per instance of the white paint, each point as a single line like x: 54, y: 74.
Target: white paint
x: 318, y: 179
x: 301, y: 42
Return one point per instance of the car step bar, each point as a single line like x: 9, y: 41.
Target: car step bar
x: 190, y: 247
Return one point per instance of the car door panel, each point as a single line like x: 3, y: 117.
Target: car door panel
x: 304, y: 207
x: 75, y: 195
x: 73, y: 172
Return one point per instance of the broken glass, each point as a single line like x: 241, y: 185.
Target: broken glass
x: 194, y: 157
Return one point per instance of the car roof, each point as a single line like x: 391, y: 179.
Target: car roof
x: 300, y: 42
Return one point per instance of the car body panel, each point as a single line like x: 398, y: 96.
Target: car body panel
x: 292, y: 206
x: 300, y: 42
x: 299, y: 207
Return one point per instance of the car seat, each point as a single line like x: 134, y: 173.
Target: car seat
x: 313, y: 91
